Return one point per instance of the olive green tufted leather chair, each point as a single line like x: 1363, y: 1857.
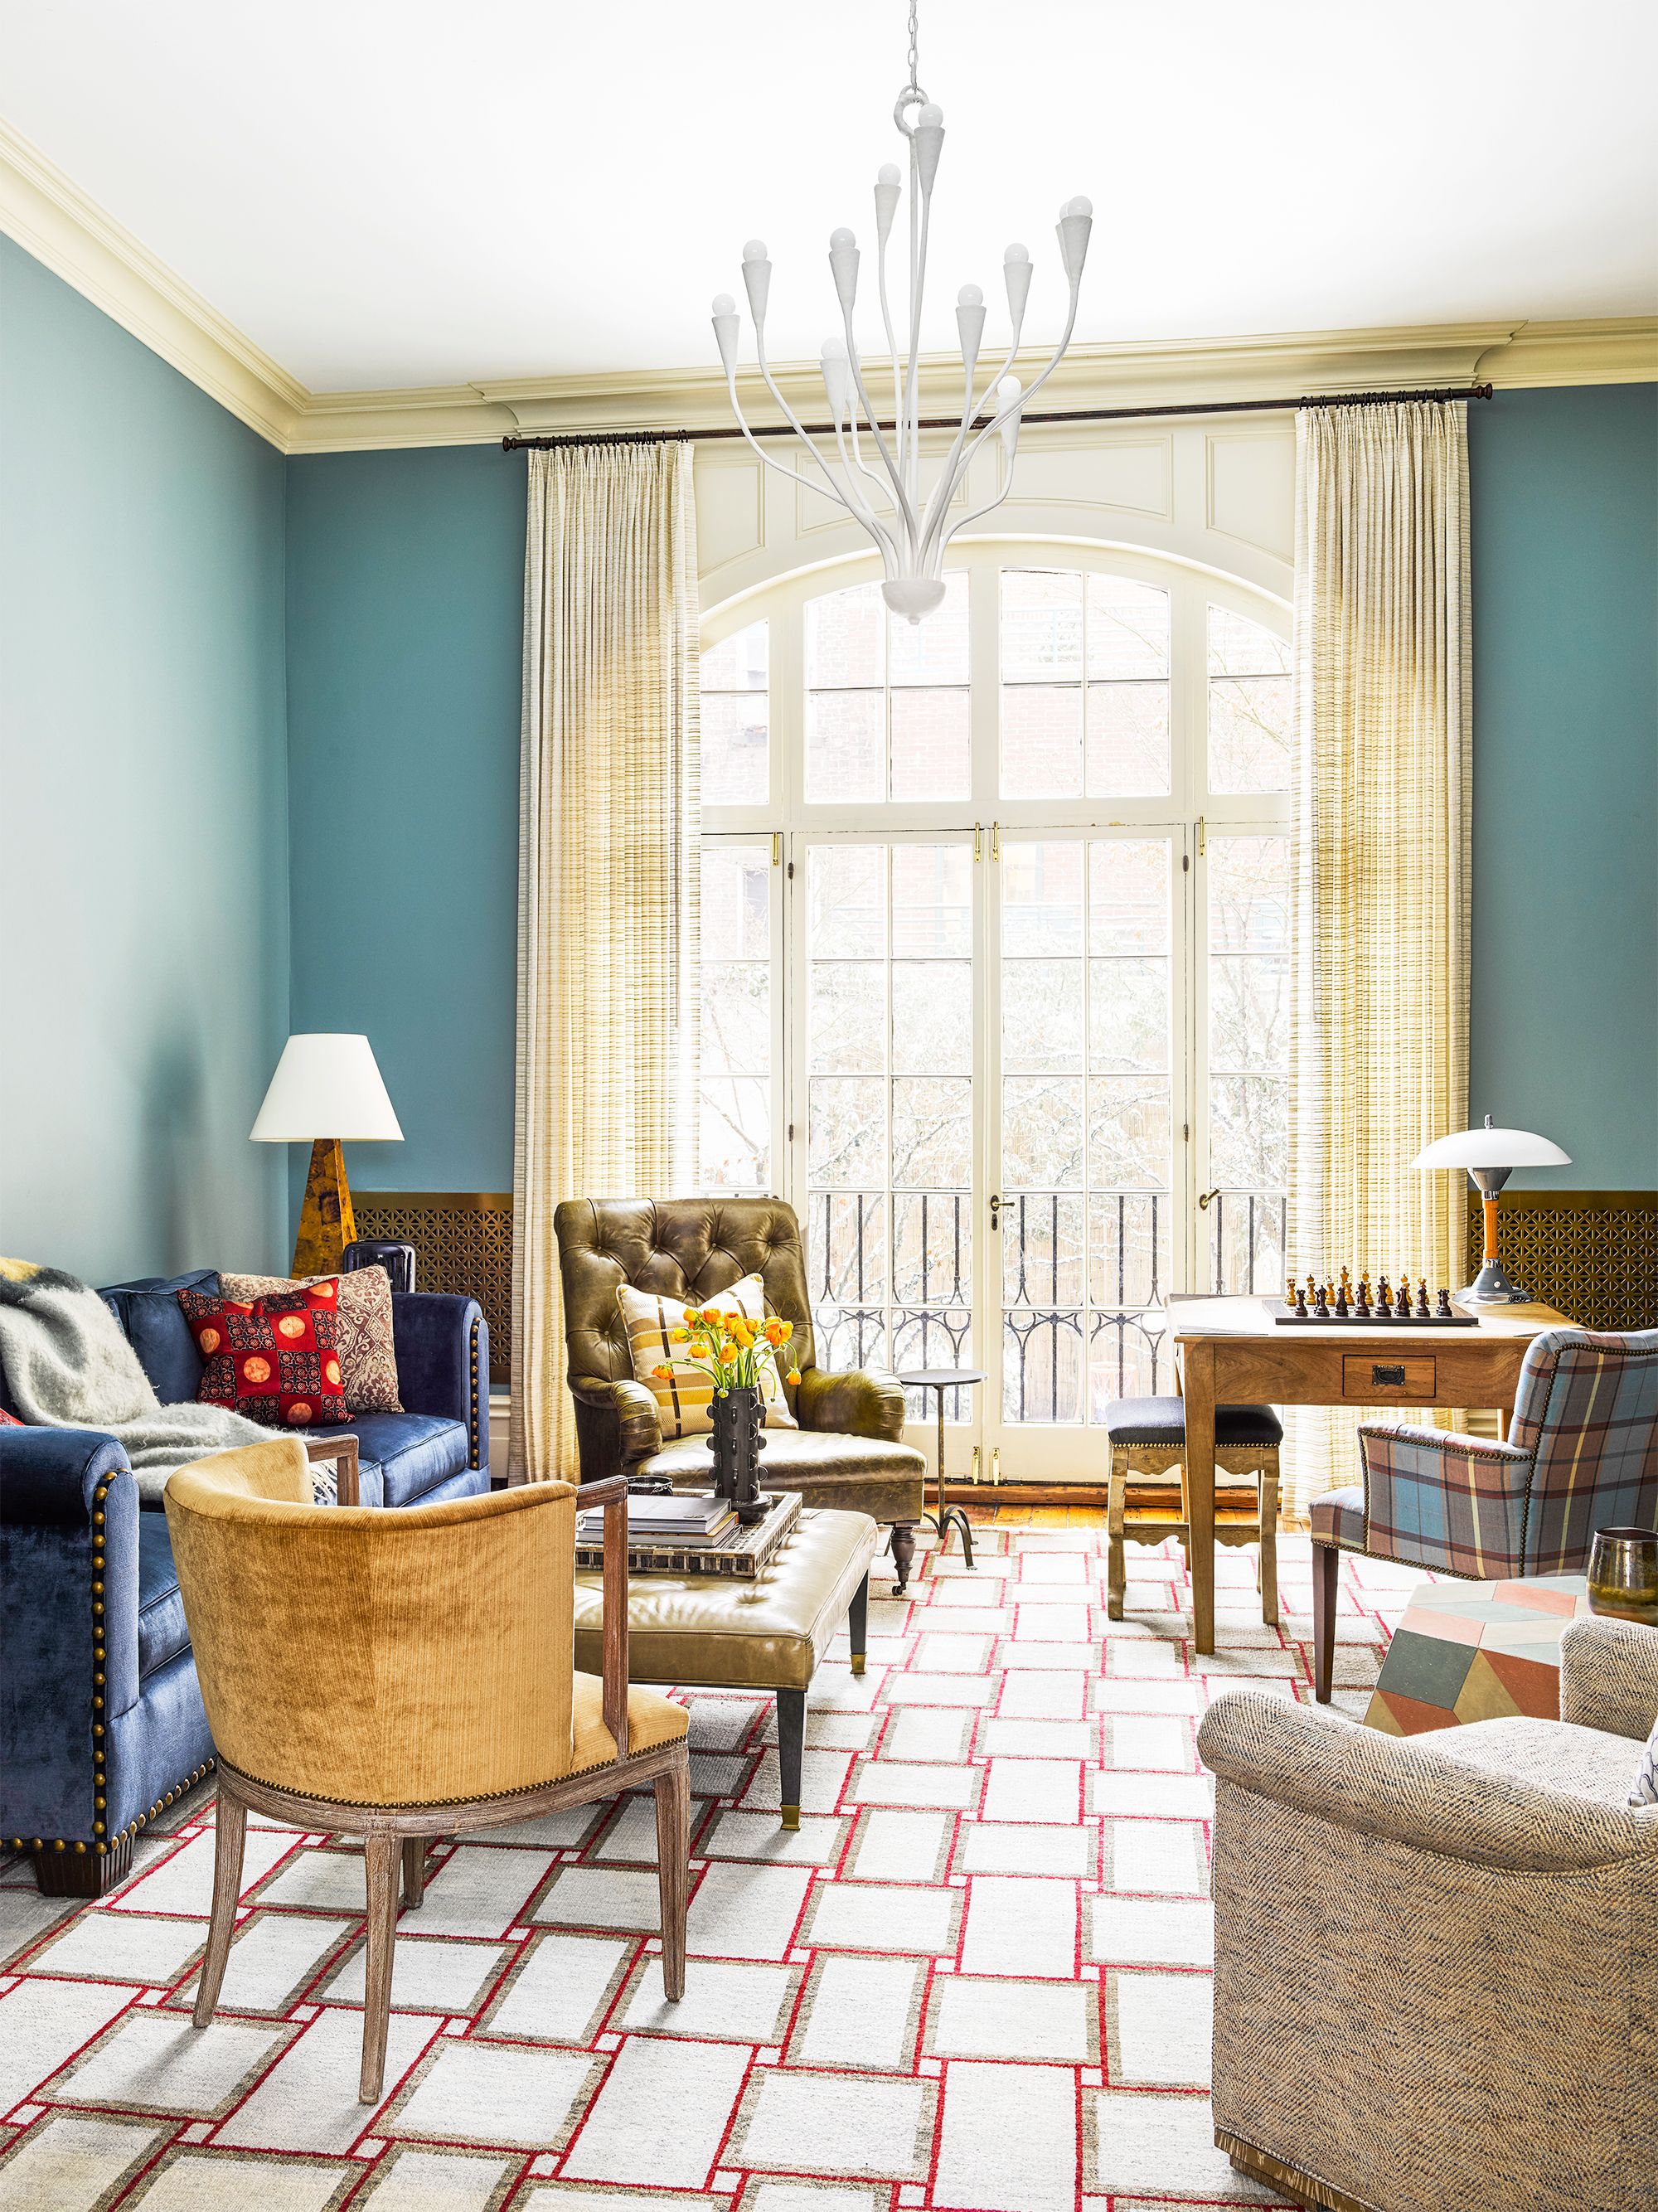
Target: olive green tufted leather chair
x: 848, y: 1451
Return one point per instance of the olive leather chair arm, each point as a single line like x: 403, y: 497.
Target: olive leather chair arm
x: 863, y: 1403
x: 623, y: 1414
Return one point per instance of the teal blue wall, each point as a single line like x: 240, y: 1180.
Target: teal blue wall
x: 143, y: 829
x: 406, y: 592
x: 1565, y: 1037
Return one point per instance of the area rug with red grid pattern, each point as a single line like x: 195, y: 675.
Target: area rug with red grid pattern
x: 977, y: 1979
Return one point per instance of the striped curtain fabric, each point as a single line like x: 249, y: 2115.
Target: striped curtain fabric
x: 1381, y: 794
x: 608, y: 880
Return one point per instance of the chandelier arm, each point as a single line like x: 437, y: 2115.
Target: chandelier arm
x: 990, y: 505
x: 920, y: 224
x: 954, y: 467
x: 892, y: 342
x: 793, y: 420
x: 881, y: 483
x: 1020, y: 400
x: 864, y: 512
x: 771, y: 462
x: 857, y: 367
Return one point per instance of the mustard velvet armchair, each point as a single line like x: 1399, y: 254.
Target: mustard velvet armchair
x: 404, y: 1675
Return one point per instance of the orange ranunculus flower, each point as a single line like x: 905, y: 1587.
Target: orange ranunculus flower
x: 794, y: 1375
x: 788, y: 1330
x: 693, y: 1315
x: 679, y: 1336
x: 663, y: 1374
x: 774, y: 1332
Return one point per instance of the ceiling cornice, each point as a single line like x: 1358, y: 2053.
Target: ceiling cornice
x: 44, y: 212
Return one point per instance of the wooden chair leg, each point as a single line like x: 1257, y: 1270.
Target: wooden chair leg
x: 903, y: 1552
x: 414, y: 1872
x: 1269, y: 1544
x: 1326, y: 1578
x: 1116, y: 1571
x: 381, y: 1851
x: 229, y: 1838
x: 673, y: 1851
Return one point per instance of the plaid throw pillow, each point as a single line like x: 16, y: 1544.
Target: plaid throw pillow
x: 1645, y: 1791
x: 684, y: 1400
x: 275, y: 1361
x: 362, y: 1330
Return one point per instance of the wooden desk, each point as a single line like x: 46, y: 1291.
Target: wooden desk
x: 1233, y: 1353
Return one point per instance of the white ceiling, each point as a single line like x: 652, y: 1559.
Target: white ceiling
x: 389, y: 192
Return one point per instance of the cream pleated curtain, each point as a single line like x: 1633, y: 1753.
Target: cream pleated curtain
x: 608, y: 879
x: 1381, y: 790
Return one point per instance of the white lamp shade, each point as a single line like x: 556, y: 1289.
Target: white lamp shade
x: 325, y: 1085
x: 1491, y: 1148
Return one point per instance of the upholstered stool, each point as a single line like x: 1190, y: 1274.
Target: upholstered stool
x: 1148, y: 1438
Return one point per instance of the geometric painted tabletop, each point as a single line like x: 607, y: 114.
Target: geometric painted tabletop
x: 1476, y: 1651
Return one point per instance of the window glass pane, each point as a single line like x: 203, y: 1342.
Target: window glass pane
x: 734, y: 1115
x: 1042, y: 625
x: 1042, y: 1366
x: 933, y: 650
x: 735, y: 720
x: 846, y: 746
x: 1127, y: 629
x: 1128, y: 895
x: 1249, y: 705
x: 930, y: 745
x: 846, y: 639
x: 1042, y: 1017
x: 1248, y: 982
x: 1128, y: 740
x: 1128, y: 1014
x: 1042, y: 896
x: 1041, y: 741
x: 1041, y: 1234
x: 1128, y: 1134
x: 846, y: 889
x: 889, y: 1102
x: 1042, y: 1132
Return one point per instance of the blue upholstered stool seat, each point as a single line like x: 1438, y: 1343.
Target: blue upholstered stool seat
x: 1162, y: 1421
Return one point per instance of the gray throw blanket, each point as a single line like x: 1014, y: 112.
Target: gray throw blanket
x: 68, y: 1366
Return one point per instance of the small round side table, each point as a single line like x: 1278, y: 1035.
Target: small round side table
x: 948, y: 1515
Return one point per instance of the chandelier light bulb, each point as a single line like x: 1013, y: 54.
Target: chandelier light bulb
x: 724, y: 303
x: 873, y: 468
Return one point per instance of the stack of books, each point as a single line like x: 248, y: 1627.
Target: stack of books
x: 687, y: 1517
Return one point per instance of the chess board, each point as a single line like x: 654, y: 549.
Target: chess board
x: 1343, y: 1304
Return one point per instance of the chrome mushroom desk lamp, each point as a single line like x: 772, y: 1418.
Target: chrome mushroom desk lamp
x: 1489, y: 1155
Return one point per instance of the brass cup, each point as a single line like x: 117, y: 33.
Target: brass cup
x: 1623, y: 1574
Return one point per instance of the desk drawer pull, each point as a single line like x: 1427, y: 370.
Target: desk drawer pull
x: 1366, y: 1380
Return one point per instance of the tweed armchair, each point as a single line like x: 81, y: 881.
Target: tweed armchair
x: 1582, y: 1454
x: 1435, y: 1955
x: 848, y: 1451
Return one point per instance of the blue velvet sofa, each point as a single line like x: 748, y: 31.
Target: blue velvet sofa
x: 100, y: 1719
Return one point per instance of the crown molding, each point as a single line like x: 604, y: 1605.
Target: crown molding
x: 57, y: 222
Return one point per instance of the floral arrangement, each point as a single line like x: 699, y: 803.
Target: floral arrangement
x: 733, y: 1351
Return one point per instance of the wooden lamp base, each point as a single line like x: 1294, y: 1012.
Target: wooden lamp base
x: 326, y: 1222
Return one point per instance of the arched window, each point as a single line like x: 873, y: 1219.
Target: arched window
x: 995, y: 940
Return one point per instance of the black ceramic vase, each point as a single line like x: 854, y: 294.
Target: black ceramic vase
x: 737, y: 1445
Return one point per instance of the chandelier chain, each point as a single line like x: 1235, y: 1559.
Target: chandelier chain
x: 915, y: 62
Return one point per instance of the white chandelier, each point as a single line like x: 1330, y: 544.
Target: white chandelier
x: 910, y: 534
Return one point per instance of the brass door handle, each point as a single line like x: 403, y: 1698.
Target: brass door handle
x: 996, y: 1206
x: 1203, y: 1198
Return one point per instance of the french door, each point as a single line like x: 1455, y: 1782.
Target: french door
x: 995, y: 974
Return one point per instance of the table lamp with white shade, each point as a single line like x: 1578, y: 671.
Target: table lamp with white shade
x: 326, y: 1090
x: 1489, y: 1155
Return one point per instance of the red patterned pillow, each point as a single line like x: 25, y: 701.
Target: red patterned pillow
x: 276, y: 1361
x: 8, y: 1420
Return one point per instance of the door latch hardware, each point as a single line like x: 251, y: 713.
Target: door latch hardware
x: 996, y: 1206
x: 1387, y: 1377
x: 1206, y: 1199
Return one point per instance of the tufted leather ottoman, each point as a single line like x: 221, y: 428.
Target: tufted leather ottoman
x: 767, y: 1634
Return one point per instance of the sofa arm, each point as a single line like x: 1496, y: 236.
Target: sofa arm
x: 863, y: 1403
x: 1609, y: 1677
x: 1436, y: 1499
x: 443, y: 1362
x: 629, y: 1405
x: 69, y: 1518
x: 1412, y: 1790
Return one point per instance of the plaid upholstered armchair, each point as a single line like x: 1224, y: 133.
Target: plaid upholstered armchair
x: 1582, y: 1454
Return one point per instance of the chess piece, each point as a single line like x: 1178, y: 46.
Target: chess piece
x: 1300, y: 1303
x: 1402, y: 1302
x: 1444, y: 1311
x: 1290, y: 1292
x: 1422, y: 1298
x: 1361, y: 1307
x: 1341, y: 1297
x: 1384, y: 1297
x: 1322, y: 1310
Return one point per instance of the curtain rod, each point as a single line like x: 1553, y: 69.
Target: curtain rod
x: 1078, y: 414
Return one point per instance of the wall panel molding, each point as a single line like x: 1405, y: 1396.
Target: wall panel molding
x: 50, y: 215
